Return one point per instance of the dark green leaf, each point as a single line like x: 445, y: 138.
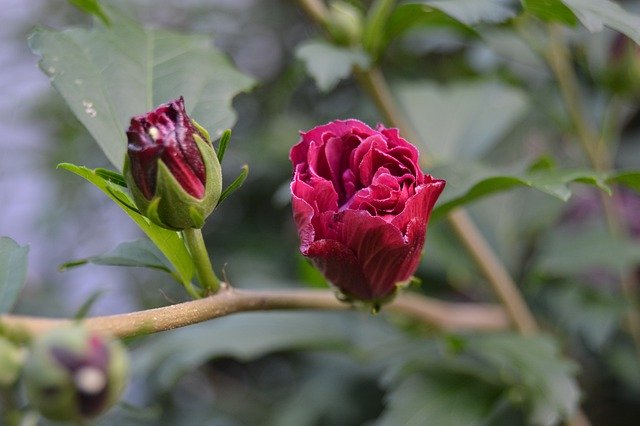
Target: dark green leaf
x: 13, y: 272
x: 169, y: 242
x: 328, y: 64
x: 597, y: 14
x: 441, y: 398
x: 92, y: 7
x: 243, y: 337
x: 550, y: 11
x: 108, y: 75
x: 463, y: 120
x: 237, y: 183
x: 467, y: 182
x: 534, y: 367
x: 111, y: 176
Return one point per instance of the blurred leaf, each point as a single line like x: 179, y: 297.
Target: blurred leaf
x: 243, y: 337
x: 584, y: 251
x: 328, y: 64
x: 472, y: 12
x: 108, y: 75
x: 169, y: 242
x: 462, y: 120
x: 410, y: 15
x: 440, y: 398
x: 332, y: 392
x: 92, y: 7
x: 467, y: 182
x: 628, y: 178
x: 13, y: 272
x: 584, y: 312
x: 140, y: 253
x: 597, y: 14
x: 535, y: 368
x: 550, y: 11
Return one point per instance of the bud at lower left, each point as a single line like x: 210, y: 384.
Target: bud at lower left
x: 73, y: 374
x: 171, y: 167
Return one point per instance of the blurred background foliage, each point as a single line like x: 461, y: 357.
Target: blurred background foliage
x: 484, y: 103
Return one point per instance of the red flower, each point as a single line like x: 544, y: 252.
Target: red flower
x: 361, y: 205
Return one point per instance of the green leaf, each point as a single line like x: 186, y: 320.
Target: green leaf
x: 442, y: 398
x: 244, y: 337
x: 468, y: 182
x: 236, y: 184
x: 410, y: 15
x: 535, y: 368
x: 472, y: 12
x: 108, y: 75
x: 13, y: 272
x: 462, y: 120
x: 328, y: 64
x: 222, y: 145
x: 92, y: 7
x: 84, y: 309
x: 550, y: 10
x: 597, y: 14
x: 571, y: 253
x: 169, y: 242
x: 628, y: 178
x: 138, y: 253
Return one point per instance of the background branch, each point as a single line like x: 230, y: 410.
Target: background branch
x: 438, y: 314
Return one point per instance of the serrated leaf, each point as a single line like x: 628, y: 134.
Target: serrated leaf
x: 597, y: 14
x: 328, y: 64
x: 440, y: 398
x: 242, y: 337
x: 468, y: 182
x: 169, y: 242
x: 472, y: 12
x: 138, y: 253
x: 536, y: 366
x: 550, y: 10
x: 13, y: 272
x: 463, y: 120
x: 108, y: 75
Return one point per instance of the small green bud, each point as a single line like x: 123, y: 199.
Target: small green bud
x: 11, y: 360
x: 73, y: 374
x: 171, y: 167
x: 345, y: 23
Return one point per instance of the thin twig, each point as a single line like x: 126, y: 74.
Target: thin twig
x: 438, y: 314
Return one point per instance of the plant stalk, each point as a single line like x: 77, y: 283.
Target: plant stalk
x: 206, y: 276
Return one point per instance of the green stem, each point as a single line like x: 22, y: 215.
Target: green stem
x: 207, y: 278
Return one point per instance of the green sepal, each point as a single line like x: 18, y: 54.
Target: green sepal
x: 237, y: 183
x: 222, y: 145
x: 172, y: 207
x: 202, y: 130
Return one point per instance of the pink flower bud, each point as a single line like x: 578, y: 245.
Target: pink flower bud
x: 361, y: 206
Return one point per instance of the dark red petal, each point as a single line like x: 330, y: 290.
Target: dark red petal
x: 420, y: 205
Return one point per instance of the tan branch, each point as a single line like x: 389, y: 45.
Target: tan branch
x: 438, y: 314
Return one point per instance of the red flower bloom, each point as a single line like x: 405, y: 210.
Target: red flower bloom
x: 361, y: 205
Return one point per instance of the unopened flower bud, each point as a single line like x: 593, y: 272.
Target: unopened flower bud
x: 73, y: 374
x: 171, y: 167
x: 11, y: 360
x: 345, y: 23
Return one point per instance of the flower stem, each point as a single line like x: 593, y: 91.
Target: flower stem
x: 206, y: 276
